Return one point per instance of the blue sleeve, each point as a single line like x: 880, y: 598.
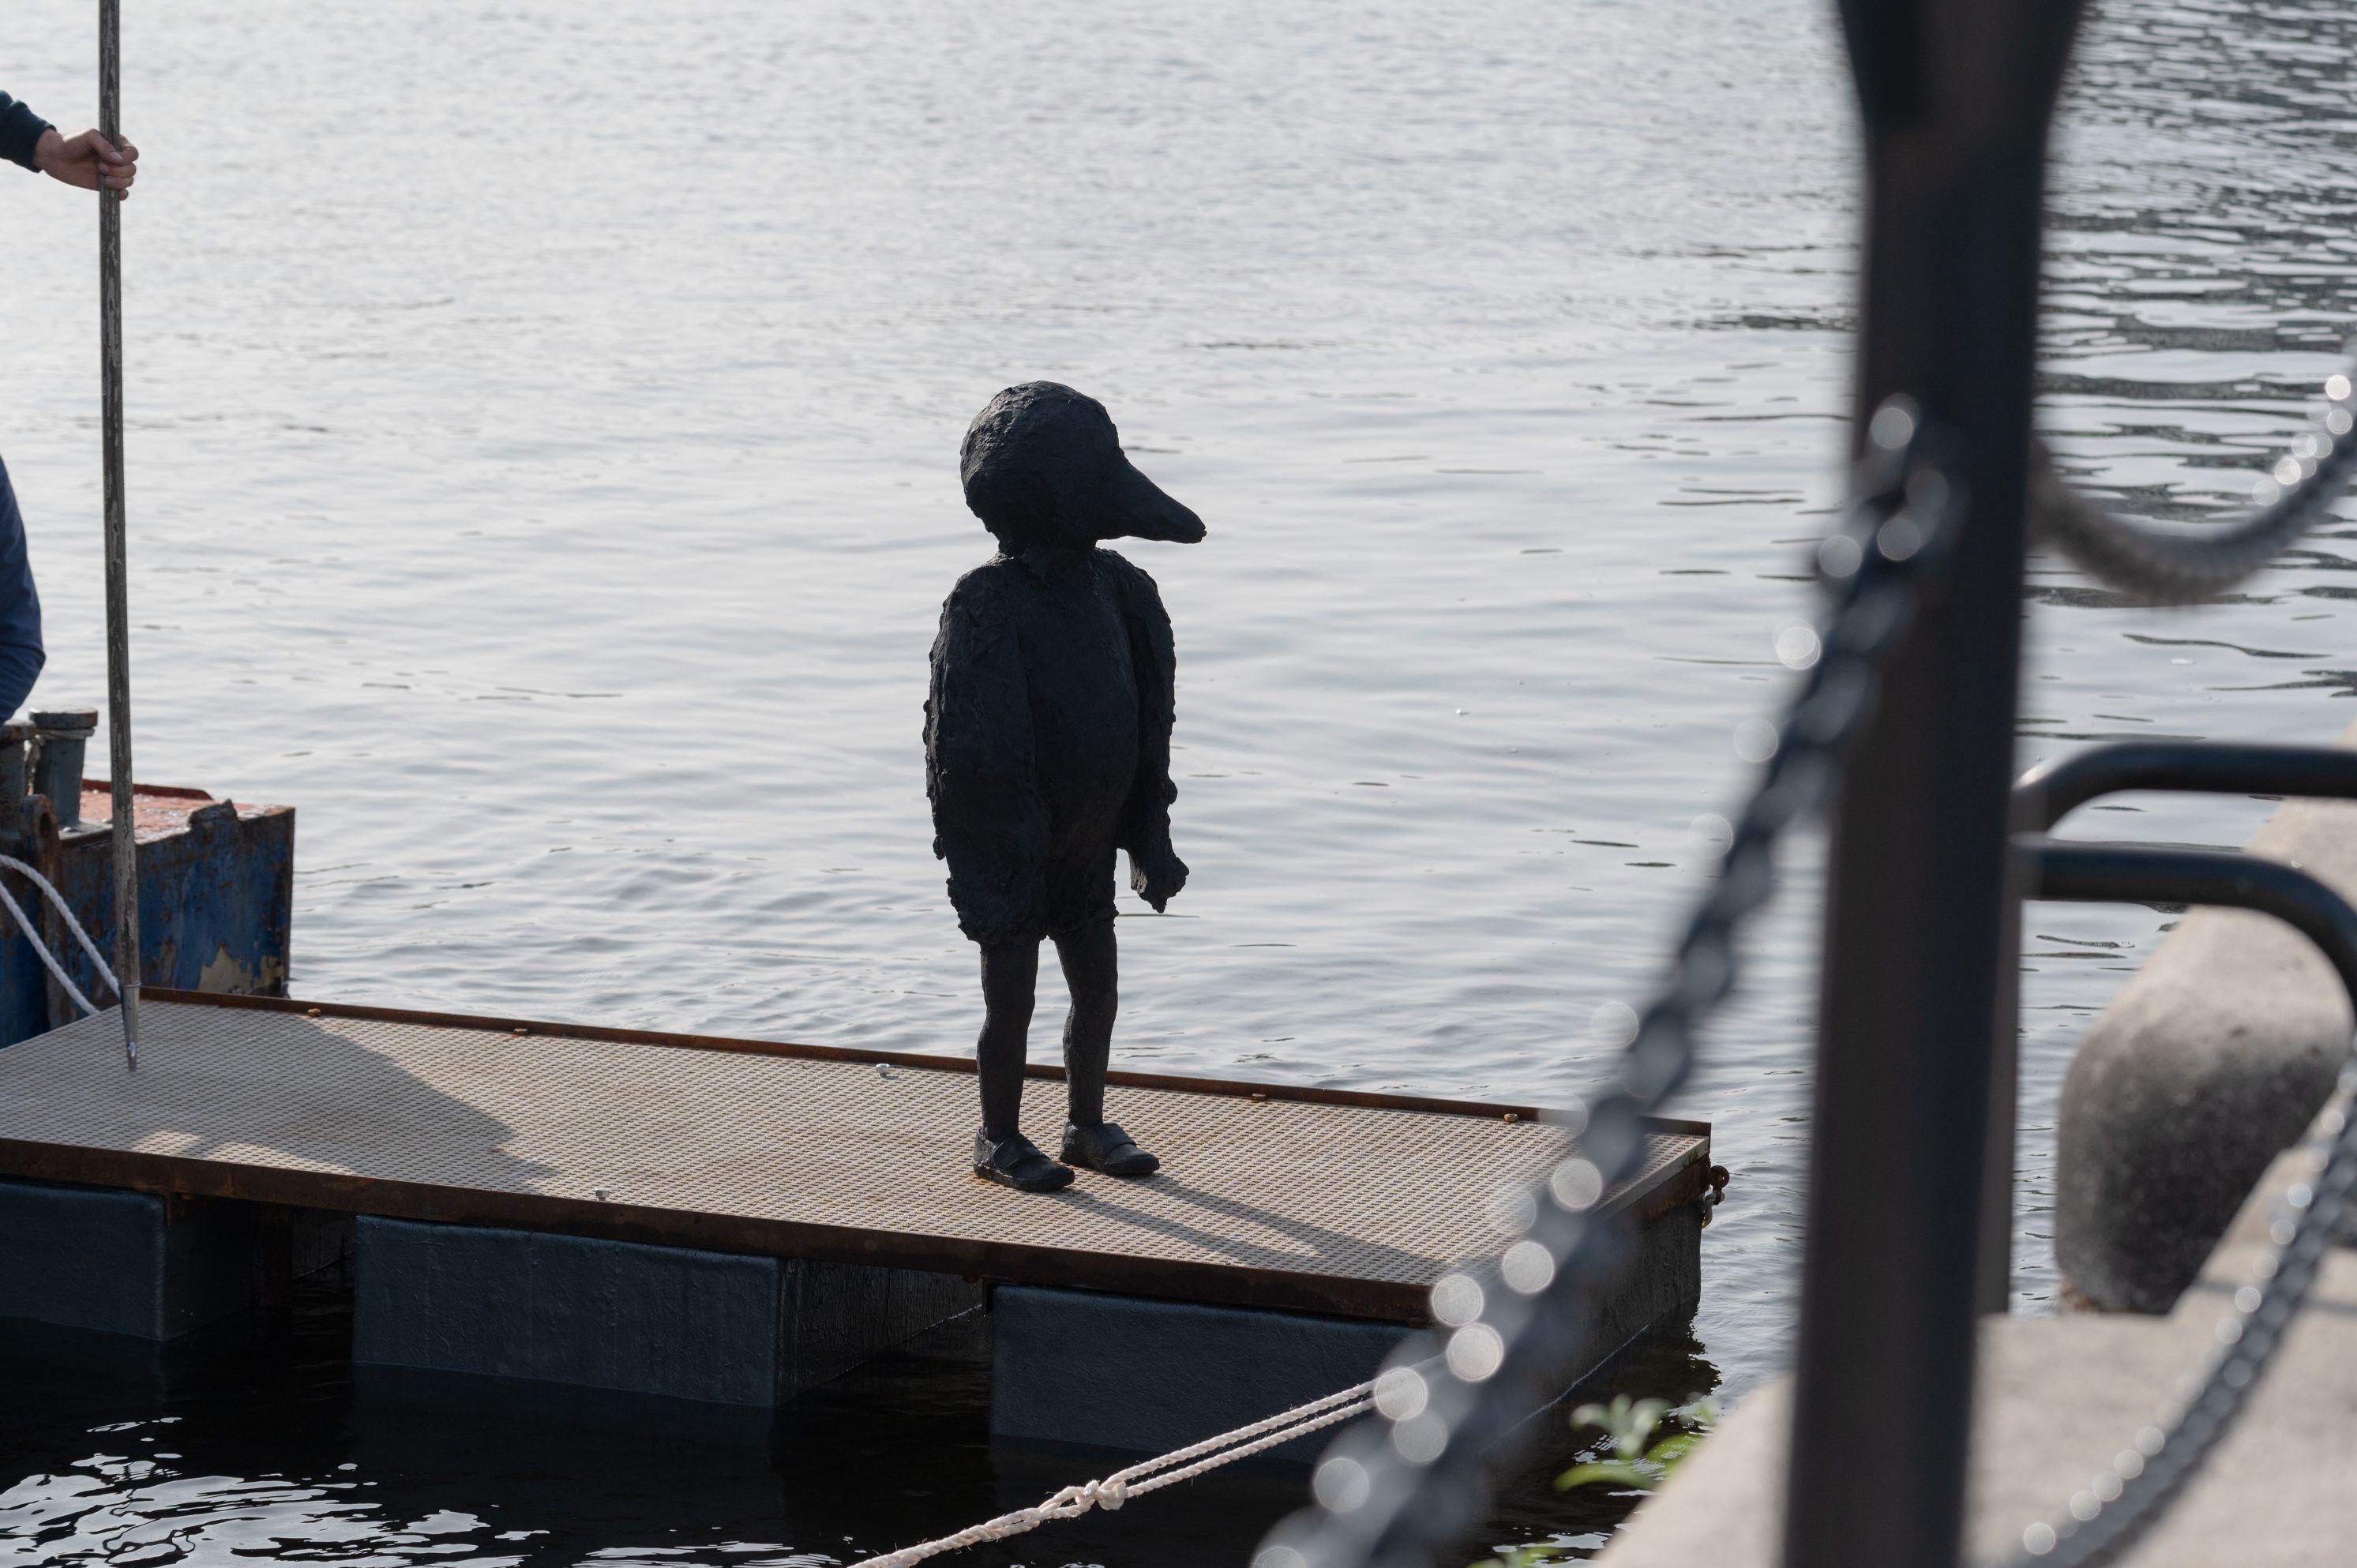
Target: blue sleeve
x: 21, y: 656
x: 20, y: 131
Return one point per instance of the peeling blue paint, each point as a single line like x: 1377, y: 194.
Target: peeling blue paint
x: 216, y: 901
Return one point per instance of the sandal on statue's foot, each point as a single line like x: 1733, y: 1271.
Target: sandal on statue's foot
x: 1105, y: 1147
x: 1016, y: 1161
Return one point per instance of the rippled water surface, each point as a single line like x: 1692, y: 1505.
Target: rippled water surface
x: 543, y: 421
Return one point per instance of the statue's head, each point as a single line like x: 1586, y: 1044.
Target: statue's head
x: 1043, y: 468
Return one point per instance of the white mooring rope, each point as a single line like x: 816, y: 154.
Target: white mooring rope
x: 41, y: 948
x: 1151, y: 1476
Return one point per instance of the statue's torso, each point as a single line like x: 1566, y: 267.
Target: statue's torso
x: 1084, y: 709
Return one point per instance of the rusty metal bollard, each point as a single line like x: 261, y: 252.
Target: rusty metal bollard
x: 62, y: 740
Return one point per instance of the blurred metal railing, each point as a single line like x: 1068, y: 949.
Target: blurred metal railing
x: 1910, y: 1165
x: 2047, y: 794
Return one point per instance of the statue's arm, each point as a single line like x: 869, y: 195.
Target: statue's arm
x: 1155, y: 871
x: 989, y: 822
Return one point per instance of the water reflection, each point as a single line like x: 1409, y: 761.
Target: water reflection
x: 258, y: 1442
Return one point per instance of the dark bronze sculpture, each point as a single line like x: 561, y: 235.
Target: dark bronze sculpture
x: 1047, y: 747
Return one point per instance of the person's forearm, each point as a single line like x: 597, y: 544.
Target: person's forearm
x: 20, y: 131
x: 20, y: 667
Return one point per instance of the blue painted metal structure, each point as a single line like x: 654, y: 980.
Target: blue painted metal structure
x: 216, y: 897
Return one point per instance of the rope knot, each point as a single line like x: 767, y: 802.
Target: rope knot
x: 1111, y: 1492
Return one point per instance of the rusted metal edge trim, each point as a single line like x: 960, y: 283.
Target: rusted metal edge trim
x: 1228, y: 1285
x: 1674, y: 1190
x: 1237, y: 1087
x: 162, y: 792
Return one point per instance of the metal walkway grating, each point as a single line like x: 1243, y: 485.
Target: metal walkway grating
x: 1295, y: 1199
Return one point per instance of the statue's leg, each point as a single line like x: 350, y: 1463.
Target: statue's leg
x: 1010, y: 975
x: 1092, y: 969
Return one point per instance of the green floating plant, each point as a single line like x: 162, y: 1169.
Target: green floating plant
x: 1635, y: 1457
x: 1529, y: 1557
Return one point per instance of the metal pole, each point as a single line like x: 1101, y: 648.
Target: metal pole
x: 1993, y: 1275
x: 125, y: 828
x: 1955, y: 96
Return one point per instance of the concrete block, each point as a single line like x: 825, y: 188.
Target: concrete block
x: 710, y: 1327
x: 1113, y: 1371
x: 2209, y: 1060
x: 2057, y: 1397
x: 124, y: 1262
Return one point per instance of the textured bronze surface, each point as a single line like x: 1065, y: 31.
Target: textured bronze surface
x: 1290, y: 1202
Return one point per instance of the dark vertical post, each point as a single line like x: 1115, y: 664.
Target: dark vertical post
x: 118, y: 598
x: 1994, y: 1291
x: 1955, y: 95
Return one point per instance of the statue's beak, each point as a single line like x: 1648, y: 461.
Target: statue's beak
x: 1137, y: 508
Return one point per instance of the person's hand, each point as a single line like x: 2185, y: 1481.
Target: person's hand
x: 1157, y: 875
x: 88, y: 161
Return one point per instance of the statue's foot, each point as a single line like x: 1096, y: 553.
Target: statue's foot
x: 1105, y: 1147
x: 1016, y: 1161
